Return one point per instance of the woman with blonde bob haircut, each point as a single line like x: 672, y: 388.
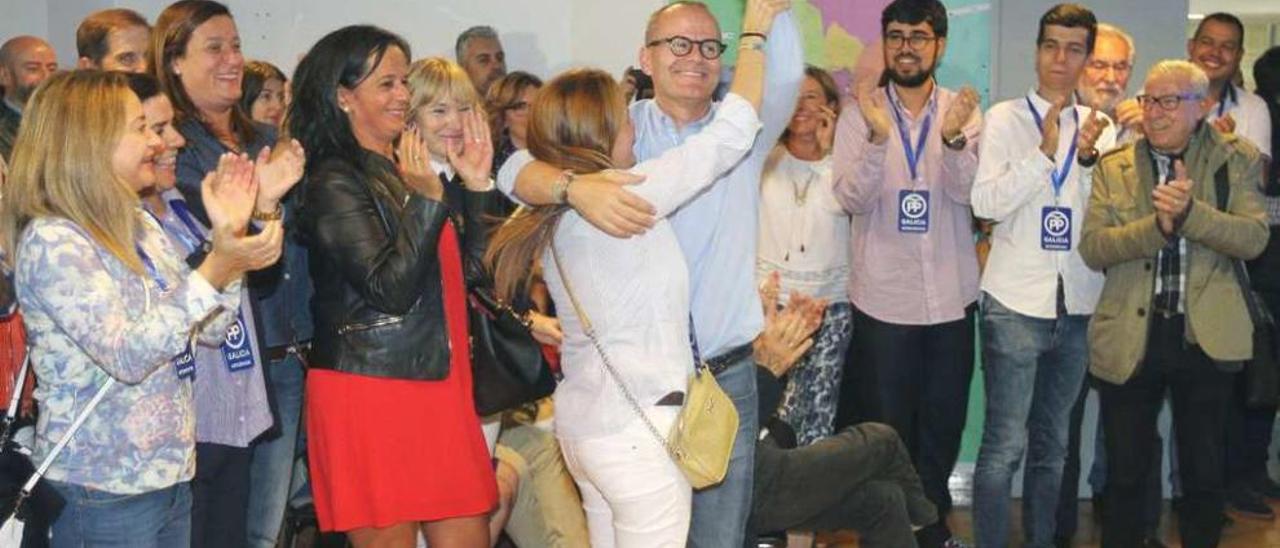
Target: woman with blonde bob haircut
x: 634, y: 291
x: 106, y: 296
x: 442, y: 101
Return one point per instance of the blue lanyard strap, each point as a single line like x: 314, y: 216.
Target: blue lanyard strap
x: 1228, y: 94
x: 183, y: 212
x: 187, y: 240
x: 151, y: 268
x: 1059, y: 176
x: 904, y: 131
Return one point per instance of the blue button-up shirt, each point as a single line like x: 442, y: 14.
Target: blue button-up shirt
x: 717, y: 230
x: 282, y: 294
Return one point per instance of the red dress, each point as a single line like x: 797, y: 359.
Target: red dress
x: 386, y: 451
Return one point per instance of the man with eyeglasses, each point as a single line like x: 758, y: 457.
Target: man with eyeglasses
x: 903, y: 164
x: 1104, y: 84
x: 1169, y: 218
x: 1038, y: 294
x: 717, y: 230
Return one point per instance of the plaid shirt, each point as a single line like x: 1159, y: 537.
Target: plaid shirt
x: 1171, y: 262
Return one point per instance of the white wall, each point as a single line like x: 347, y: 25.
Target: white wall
x: 541, y: 36
x: 1156, y: 25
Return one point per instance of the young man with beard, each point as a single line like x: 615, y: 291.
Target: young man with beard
x: 905, y: 158
x: 716, y: 231
x: 25, y: 62
x: 1038, y: 294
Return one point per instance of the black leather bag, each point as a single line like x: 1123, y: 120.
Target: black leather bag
x: 507, y: 365
x: 1262, y: 373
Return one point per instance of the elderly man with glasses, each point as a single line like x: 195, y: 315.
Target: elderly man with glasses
x: 1169, y: 218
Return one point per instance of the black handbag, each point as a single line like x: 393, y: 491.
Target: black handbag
x: 507, y: 364
x: 1262, y: 372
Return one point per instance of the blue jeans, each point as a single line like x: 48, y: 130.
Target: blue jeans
x: 720, y: 513
x: 271, y: 471
x: 1032, y: 371
x: 155, y: 519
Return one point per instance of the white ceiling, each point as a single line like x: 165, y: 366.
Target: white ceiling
x: 1238, y: 7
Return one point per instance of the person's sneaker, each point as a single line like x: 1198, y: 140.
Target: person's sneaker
x: 954, y: 542
x: 1248, y: 504
x: 1268, y: 489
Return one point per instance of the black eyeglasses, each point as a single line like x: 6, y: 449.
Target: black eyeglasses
x: 894, y: 40
x: 518, y: 106
x: 1166, y: 102
x: 682, y: 45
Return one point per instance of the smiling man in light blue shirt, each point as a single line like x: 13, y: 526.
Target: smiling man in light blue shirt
x: 716, y: 231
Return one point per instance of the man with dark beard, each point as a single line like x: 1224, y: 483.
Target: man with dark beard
x: 905, y: 158
x: 25, y: 61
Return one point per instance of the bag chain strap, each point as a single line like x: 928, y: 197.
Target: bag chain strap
x: 613, y: 373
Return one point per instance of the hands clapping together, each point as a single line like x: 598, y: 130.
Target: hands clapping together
x: 231, y: 194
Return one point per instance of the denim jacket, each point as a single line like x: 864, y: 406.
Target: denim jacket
x: 282, y: 293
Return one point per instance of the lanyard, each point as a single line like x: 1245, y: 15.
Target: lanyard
x: 1228, y: 93
x: 183, y: 212
x: 904, y: 131
x: 1059, y: 176
x: 187, y: 240
x: 151, y: 268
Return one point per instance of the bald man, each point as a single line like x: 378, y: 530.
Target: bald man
x: 25, y: 61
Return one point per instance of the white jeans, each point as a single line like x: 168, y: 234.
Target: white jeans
x: 632, y: 492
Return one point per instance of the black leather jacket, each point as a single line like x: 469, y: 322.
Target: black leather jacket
x: 378, y: 297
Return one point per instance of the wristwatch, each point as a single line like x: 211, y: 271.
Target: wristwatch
x: 955, y: 143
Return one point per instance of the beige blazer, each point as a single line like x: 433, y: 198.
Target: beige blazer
x: 1121, y: 238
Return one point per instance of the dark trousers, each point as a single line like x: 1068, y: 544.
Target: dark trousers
x: 1068, y: 514
x: 220, y: 496
x: 860, y: 479
x: 1249, y: 429
x: 914, y: 378
x: 1199, y: 394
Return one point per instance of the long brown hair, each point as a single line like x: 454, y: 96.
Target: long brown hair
x: 169, y: 41
x: 62, y: 162
x: 573, y: 123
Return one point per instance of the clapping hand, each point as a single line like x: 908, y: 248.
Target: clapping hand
x: 277, y: 172
x: 788, y: 333
x: 473, y: 159
x: 1129, y: 115
x: 875, y: 111
x: 1173, y: 199
x: 1090, y: 131
x: 1225, y: 124
x: 230, y: 193
x: 1049, y: 128
x: 959, y: 112
x: 414, y: 163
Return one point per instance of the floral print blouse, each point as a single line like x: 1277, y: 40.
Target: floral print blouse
x: 88, y: 316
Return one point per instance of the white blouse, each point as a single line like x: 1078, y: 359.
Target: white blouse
x: 636, y: 290
x: 804, y: 233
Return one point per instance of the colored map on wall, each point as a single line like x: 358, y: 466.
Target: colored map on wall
x: 842, y: 36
